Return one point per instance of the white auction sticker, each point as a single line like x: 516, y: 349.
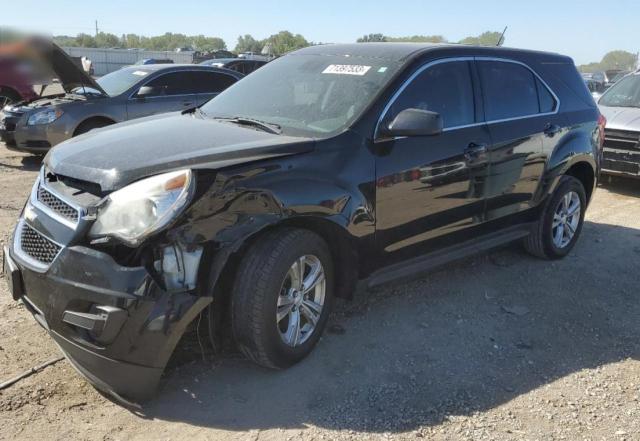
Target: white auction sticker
x: 140, y: 73
x: 346, y: 69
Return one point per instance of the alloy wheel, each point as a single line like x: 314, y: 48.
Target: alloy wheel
x: 301, y: 300
x: 566, y: 219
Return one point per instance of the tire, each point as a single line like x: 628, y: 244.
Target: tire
x: 90, y: 125
x: 264, y: 274
x: 544, y: 240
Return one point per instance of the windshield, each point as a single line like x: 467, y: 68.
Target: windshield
x: 306, y: 95
x: 121, y: 80
x: 625, y: 93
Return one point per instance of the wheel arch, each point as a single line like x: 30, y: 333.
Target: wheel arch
x: 93, y: 118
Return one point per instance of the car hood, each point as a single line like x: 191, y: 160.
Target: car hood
x: 622, y: 118
x: 119, y: 155
x: 63, y: 67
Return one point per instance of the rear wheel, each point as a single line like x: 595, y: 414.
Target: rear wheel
x: 282, y: 297
x: 561, y: 222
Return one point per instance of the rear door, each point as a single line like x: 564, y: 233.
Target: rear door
x: 210, y: 84
x: 521, y: 115
x: 430, y: 189
x: 170, y: 92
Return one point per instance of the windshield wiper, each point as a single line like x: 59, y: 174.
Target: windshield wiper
x: 273, y: 128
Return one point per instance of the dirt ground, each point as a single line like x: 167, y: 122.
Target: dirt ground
x: 500, y: 346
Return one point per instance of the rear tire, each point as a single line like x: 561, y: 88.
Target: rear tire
x: 560, y: 224
x: 276, y: 321
x: 90, y: 125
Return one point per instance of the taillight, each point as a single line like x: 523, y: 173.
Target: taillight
x: 602, y: 123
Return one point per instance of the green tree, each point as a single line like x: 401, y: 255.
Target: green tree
x: 619, y: 60
x: 85, y: 40
x: 202, y: 43
x: 485, y: 39
x: 246, y: 43
x: 370, y: 38
x: 418, y: 39
x: 285, y: 41
x: 104, y: 39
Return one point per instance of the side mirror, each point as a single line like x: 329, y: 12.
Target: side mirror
x: 145, y: 91
x: 414, y: 122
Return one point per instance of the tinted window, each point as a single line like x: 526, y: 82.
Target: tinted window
x: 175, y: 83
x: 547, y: 102
x: 212, y: 82
x: 444, y: 88
x: 509, y: 90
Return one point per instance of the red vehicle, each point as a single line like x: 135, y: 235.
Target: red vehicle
x: 14, y: 83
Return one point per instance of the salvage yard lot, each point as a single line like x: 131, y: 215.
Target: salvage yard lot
x: 498, y: 346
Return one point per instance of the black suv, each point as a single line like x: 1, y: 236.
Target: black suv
x: 334, y: 168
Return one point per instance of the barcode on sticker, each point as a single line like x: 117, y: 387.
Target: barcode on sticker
x: 346, y: 69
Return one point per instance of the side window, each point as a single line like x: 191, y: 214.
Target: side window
x: 444, y: 88
x: 175, y: 83
x: 509, y: 90
x: 212, y: 82
x: 547, y: 101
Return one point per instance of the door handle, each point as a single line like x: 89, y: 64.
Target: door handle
x: 474, y: 150
x: 552, y: 130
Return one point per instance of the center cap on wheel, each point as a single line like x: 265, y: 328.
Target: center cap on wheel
x: 297, y: 298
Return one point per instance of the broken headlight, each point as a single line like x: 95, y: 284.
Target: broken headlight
x: 138, y: 210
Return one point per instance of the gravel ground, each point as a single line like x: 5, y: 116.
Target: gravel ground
x: 500, y: 346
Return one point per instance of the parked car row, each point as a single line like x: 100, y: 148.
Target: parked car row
x: 620, y: 104
x: 330, y: 169
x: 36, y: 124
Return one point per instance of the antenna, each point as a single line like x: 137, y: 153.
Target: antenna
x: 502, y: 36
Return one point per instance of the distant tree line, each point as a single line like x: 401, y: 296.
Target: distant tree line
x: 485, y: 39
x: 278, y: 44
x: 622, y: 60
x: 285, y: 41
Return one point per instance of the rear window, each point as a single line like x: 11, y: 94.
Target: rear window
x: 211, y: 82
x: 512, y: 90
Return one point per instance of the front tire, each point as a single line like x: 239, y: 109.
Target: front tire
x: 560, y: 224
x: 282, y: 297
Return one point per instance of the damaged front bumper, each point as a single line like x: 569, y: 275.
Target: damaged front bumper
x: 116, y: 324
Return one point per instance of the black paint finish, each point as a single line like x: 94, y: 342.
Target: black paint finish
x: 377, y: 201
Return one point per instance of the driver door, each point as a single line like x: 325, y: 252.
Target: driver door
x: 430, y: 189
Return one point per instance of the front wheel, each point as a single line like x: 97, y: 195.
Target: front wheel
x: 560, y: 225
x: 282, y: 297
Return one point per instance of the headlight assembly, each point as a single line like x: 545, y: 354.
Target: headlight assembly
x: 136, y: 211
x: 44, y: 117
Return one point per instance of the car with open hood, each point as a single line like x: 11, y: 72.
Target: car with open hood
x: 331, y: 169
x: 621, y: 106
x: 133, y: 92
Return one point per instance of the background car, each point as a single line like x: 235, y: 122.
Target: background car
x: 621, y: 106
x: 128, y: 93
x: 148, y: 61
x: 15, y: 84
x: 241, y: 65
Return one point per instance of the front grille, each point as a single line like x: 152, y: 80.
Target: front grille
x: 621, y: 139
x: 36, y: 246
x: 57, y: 205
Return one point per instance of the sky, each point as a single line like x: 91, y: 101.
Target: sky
x: 584, y: 30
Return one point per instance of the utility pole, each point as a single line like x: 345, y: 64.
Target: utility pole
x: 96, y: 28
